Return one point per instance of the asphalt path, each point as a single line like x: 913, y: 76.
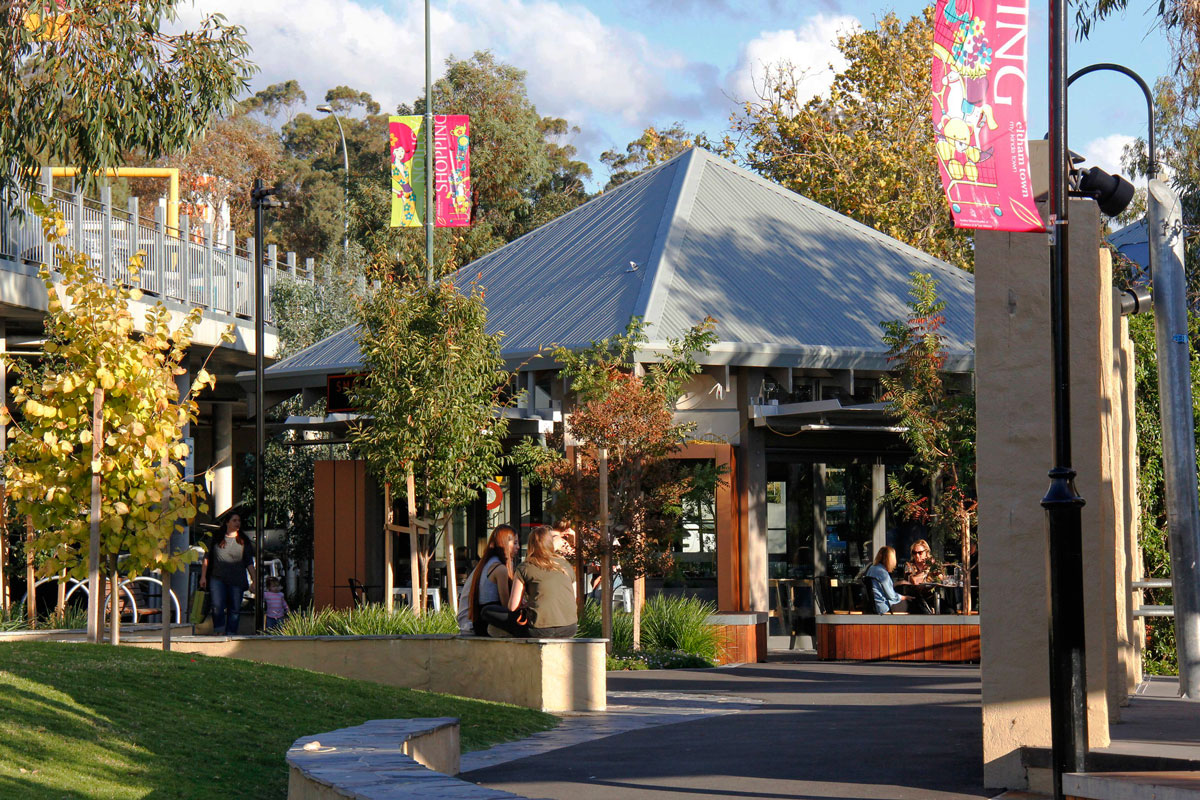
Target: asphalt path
x: 823, y: 730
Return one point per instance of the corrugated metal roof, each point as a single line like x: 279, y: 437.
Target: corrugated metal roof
x: 328, y: 356
x: 783, y: 273
x: 570, y: 281
x: 790, y: 282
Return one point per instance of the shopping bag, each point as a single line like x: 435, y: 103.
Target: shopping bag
x: 200, y: 607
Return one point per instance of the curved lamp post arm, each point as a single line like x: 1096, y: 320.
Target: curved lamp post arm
x: 1145, y: 91
x: 346, y: 193
x: 326, y: 108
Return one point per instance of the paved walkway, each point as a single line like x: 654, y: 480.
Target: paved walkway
x: 796, y: 729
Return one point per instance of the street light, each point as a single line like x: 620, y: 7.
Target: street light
x: 328, y: 109
x: 260, y: 198
x: 1164, y: 231
x: 1063, y: 504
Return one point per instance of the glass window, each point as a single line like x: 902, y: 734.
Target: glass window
x: 777, y: 518
x: 789, y: 520
x: 696, y: 544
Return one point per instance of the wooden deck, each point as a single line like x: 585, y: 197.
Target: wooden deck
x: 892, y: 637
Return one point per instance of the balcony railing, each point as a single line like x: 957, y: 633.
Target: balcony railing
x: 185, y: 265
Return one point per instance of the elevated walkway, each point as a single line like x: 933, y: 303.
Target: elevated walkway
x: 182, y: 267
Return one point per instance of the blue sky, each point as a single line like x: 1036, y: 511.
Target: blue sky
x: 614, y: 67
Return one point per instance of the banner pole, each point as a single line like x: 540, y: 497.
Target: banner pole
x: 1063, y: 504
x: 429, y: 145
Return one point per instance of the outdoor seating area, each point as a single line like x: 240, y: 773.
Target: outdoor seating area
x: 798, y: 603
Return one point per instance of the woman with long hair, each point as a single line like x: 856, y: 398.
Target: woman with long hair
x: 224, y: 571
x: 879, y: 581
x: 485, y: 595
x: 546, y: 583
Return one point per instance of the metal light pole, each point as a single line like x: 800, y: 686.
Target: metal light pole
x: 428, y: 125
x: 260, y: 198
x: 1165, y: 232
x: 1064, y: 506
x: 328, y: 109
x: 1165, y: 220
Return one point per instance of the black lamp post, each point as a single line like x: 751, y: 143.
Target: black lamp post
x: 260, y: 198
x: 1064, y: 506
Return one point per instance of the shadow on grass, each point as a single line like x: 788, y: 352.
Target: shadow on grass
x: 93, y: 721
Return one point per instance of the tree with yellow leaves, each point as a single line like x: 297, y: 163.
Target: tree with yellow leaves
x: 865, y: 148
x: 96, y: 430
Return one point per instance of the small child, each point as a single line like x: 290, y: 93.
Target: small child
x: 277, y: 607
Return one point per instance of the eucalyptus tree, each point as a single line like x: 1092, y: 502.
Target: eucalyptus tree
x: 86, y: 83
x: 430, y: 401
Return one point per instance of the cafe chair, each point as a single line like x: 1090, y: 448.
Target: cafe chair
x: 866, y: 595
x: 823, y: 594
x: 785, y: 608
x: 357, y: 591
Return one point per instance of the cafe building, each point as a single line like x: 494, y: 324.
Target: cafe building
x: 789, y: 400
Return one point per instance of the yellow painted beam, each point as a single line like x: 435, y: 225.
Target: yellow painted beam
x: 172, y: 173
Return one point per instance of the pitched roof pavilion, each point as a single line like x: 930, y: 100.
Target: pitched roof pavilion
x: 790, y: 282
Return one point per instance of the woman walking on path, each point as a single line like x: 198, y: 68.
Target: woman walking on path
x: 547, y: 585
x: 224, y: 572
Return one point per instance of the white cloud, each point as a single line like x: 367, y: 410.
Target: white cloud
x: 578, y: 67
x: 326, y: 43
x: 1106, y: 151
x: 810, y: 49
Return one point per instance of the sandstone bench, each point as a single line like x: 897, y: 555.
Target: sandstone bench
x: 898, y: 637
x: 555, y: 675
x: 384, y: 759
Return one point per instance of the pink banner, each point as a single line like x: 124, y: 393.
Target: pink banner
x: 451, y: 170
x: 979, y: 54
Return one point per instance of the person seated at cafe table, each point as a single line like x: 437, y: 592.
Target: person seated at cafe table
x: 920, y: 574
x: 922, y: 567
x: 883, y: 593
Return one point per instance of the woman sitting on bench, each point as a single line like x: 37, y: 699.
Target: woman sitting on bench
x: 879, y: 580
x: 484, y: 600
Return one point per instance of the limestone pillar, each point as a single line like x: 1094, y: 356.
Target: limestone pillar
x: 1015, y: 451
x: 222, y: 488
x: 752, y: 479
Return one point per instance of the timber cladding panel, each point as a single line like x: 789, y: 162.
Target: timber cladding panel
x: 906, y: 641
x: 340, y: 531
x: 742, y: 644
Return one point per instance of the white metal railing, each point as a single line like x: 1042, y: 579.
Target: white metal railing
x: 1153, y: 610
x: 184, y: 265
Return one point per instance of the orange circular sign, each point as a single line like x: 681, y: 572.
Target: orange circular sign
x: 495, y: 495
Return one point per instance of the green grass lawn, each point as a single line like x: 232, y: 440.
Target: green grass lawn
x: 95, y: 721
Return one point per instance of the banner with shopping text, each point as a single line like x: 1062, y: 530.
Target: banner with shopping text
x: 979, y: 80
x: 451, y: 170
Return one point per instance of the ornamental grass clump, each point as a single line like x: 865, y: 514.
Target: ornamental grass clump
x: 680, y: 624
x: 591, y: 626
x: 676, y: 625
x: 370, y: 619
x: 16, y: 619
